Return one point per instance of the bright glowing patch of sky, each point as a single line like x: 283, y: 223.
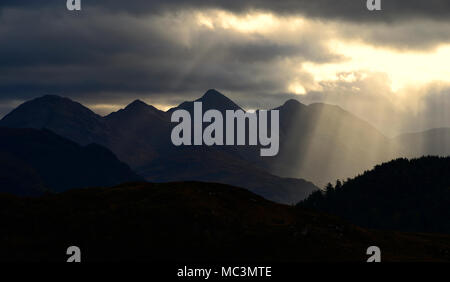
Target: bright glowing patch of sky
x: 403, y: 68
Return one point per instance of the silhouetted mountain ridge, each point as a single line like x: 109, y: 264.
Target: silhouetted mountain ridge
x: 318, y: 142
x: 61, y: 115
x: 139, y: 134
x: 323, y: 143
x: 212, y: 99
x: 48, y: 162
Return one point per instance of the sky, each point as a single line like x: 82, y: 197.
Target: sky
x: 389, y: 67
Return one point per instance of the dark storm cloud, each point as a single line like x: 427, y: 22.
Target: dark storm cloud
x: 420, y: 34
x: 414, y: 24
x: 95, y: 55
x: 116, y: 51
x: 352, y: 10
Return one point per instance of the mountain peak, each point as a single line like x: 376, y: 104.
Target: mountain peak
x: 291, y: 105
x: 58, y: 114
x: 136, y: 110
x: 292, y: 102
x: 141, y: 106
x: 212, y: 93
x: 138, y: 104
x: 48, y: 105
x: 213, y: 99
x: 50, y: 99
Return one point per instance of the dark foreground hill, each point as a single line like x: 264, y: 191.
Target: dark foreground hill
x: 408, y: 195
x: 191, y: 222
x: 36, y: 161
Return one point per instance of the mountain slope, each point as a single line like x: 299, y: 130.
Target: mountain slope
x: 34, y: 161
x: 435, y: 142
x: 318, y: 142
x: 60, y: 115
x: 191, y: 222
x: 139, y: 133
x: 408, y: 195
x: 217, y: 166
x: 17, y: 177
x: 323, y: 143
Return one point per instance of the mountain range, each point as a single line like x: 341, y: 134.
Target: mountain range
x: 318, y: 142
x: 140, y: 136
